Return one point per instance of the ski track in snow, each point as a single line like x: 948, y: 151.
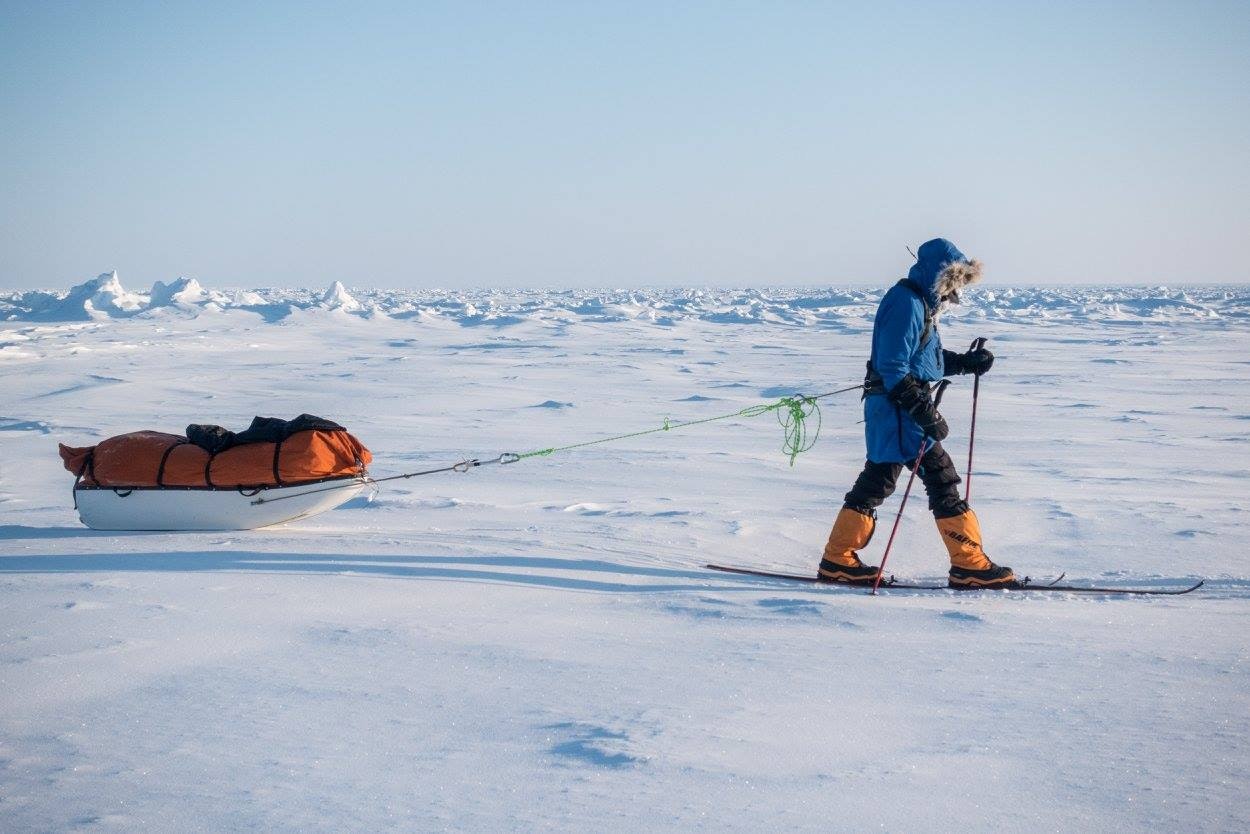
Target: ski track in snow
x: 536, y: 646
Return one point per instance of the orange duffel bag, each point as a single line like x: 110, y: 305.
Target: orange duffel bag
x: 271, y: 453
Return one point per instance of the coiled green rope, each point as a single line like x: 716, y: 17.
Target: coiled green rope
x: 793, y: 413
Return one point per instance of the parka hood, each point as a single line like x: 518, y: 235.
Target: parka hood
x: 941, y: 269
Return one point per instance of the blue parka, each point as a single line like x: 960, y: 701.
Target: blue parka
x: 898, y: 349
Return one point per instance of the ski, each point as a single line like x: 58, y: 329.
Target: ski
x: 1026, y: 585
x: 888, y: 582
x: 1080, y: 589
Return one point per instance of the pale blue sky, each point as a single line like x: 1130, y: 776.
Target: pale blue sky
x: 623, y: 144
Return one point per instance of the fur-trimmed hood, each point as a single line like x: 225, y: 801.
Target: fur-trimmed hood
x: 941, y: 269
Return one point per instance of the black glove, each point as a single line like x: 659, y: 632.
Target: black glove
x: 977, y: 362
x: 913, y: 396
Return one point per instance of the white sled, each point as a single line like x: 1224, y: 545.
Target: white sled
x: 104, y: 508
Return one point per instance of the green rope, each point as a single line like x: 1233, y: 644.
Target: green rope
x: 793, y: 413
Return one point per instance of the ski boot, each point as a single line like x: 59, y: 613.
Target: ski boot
x: 970, y: 567
x: 840, y: 562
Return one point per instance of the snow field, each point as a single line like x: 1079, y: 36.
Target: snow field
x: 535, y: 646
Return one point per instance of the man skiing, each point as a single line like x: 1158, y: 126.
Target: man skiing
x: 899, y: 412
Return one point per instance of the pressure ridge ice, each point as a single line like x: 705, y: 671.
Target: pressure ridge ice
x: 104, y: 298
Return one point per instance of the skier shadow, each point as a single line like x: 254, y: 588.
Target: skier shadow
x: 502, y: 570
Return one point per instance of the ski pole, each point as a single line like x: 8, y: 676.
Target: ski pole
x: 977, y: 344
x: 924, y: 447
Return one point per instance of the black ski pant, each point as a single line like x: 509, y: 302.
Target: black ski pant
x: 937, y: 471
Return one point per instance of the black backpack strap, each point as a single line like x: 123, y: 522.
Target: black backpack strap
x: 924, y: 302
x: 873, y: 384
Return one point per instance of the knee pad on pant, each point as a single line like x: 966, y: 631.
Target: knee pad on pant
x: 941, y: 482
x: 875, y: 484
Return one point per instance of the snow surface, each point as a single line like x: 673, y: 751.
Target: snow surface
x: 536, y: 646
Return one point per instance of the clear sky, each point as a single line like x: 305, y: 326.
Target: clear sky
x: 621, y: 144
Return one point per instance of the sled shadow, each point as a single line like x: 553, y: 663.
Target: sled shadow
x: 510, y: 570
x: 22, y: 531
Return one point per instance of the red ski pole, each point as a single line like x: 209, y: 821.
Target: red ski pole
x: 924, y: 447
x: 977, y: 344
